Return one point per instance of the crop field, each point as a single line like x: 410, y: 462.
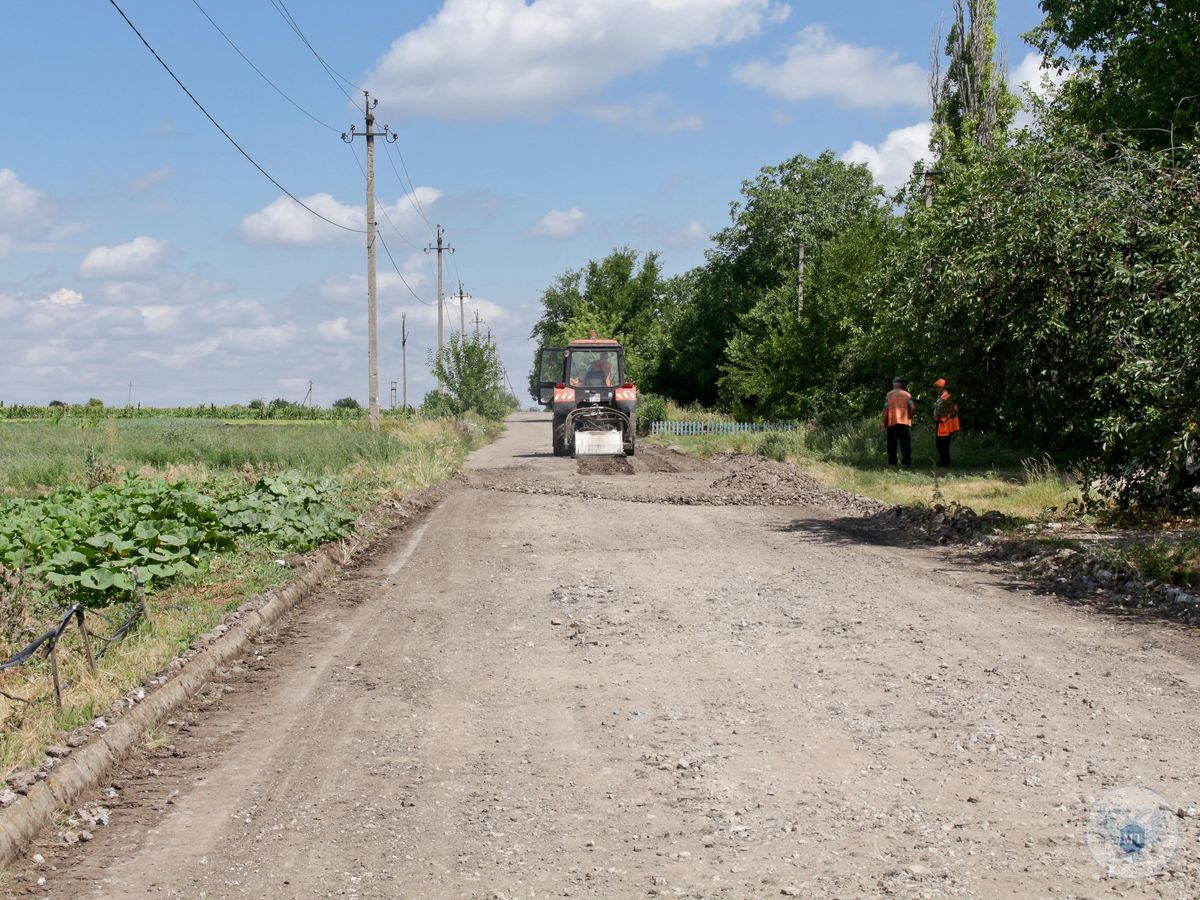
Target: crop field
x: 194, y: 515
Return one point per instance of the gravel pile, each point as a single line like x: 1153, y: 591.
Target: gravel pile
x: 755, y: 481
x: 1081, y: 576
x: 951, y: 524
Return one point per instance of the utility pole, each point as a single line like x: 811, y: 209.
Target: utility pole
x: 441, y: 246
x: 404, y: 356
x: 372, y: 331
x: 392, y: 396
x: 930, y: 180
x: 130, y: 401
x: 476, y: 323
x: 462, y: 320
x: 800, y: 282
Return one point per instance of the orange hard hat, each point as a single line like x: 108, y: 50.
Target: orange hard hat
x: 941, y: 382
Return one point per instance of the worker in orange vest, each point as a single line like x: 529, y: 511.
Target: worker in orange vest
x: 945, y: 417
x: 897, y: 420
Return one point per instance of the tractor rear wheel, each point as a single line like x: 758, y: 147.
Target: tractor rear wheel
x: 560, y: 437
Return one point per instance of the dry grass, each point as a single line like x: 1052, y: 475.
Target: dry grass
x: 177, y: 616
x: 1028, y: 495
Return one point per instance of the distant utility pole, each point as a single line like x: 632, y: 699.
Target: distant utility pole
x: 800, y: 282
x: 130, y: 401
x: 372, y: 337
x: 476, y: 323
x: 930, y: 180
x: 462, y: 319
x: 308, y: 396
x: 441, y: 246
x: 392, y: 398
x: 404, y: 355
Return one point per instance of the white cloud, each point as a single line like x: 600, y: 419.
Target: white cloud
x: 56, y: 352
x: 18, y: 201
x: 335, y: 330
x: 160, y: 318
x: 1030, y: 79
x: 173, y: 289
x: 64, y: 297
x: 389, y: 287
x: 261, y: 337
x: 692, y: 233
x: 177, y: 355
x: 891, y: 162
x: 560, y: 224
x: 646, y: 114
x: 151, y: 179
x: 285, y: 222
x: 491, y: 59
x: 491, y: 313
x: 1031, y: 72
x: 28, y: 218
x: 142, y: 257
x: 858, y: 77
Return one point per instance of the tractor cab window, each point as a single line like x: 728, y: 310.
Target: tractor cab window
x: 594, y: 368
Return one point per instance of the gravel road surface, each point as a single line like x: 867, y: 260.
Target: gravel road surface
x: 663, y: 677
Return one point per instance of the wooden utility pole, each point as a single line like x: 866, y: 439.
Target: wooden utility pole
x: 404, y: 358
x: 462, y: 318
x: 440, y: 247
x: 800, y: 281
x: 372, y: 330
x: 476, y: 323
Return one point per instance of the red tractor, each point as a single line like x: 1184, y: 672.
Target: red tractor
x: 595, y: 408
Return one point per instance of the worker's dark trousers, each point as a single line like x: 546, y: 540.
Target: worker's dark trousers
x: 902, y: 435
x: 943, y: 449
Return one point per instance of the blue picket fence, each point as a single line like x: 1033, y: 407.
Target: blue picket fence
x: 685, y: 429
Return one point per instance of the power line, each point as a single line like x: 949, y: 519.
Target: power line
x: 402, y: 279
x: 260, y: 72
x: 227, y: 135
x: 382, y: 206
x: 412, y: 188
x: 333, y: 73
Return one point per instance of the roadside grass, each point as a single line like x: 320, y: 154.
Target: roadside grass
x: 406, y: 455
x: 1169, y: 561
x: 987, y: 473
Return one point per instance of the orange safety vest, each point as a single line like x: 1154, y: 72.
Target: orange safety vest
x: 948, y: 424
x: 897, y: 410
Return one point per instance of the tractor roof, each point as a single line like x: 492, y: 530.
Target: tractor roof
x: 594, y: 342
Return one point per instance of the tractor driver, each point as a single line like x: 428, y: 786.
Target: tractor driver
x: 599, y: 372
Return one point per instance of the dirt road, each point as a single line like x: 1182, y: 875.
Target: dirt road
x: 623, y: 680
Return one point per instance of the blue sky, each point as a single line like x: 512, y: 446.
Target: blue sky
x: 137, y: 245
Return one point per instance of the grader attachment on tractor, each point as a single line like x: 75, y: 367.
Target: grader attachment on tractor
x: 595, y: 408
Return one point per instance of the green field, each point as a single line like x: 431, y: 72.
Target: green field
x: 201, y: 510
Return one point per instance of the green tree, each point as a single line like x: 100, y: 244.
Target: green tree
x: 619, y: 297
x: 472, y: 376
x: 792, y: 362
x: 1054, y: 282
x: 1135, y: 65
x: 972, y: 106
x: 742, y: 320
x: 347, y: 403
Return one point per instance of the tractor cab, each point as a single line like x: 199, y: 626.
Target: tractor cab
x: 588, y: 363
